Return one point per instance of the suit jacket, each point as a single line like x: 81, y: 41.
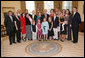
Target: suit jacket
x: 27, y: 20
x: 43, y: 15
x: 76, y: 20
x: 18, y: 23
x: 30, y: 15
x: 35, y: 16
x: 10, y: 26
x: 55, y: 22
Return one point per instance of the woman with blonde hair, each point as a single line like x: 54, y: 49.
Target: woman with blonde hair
x: 62, y: 28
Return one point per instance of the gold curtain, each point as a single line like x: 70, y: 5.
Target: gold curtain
x: 74, y: 4
x: 23, y: 6
x: 39, y: 5
x: 58, y: 4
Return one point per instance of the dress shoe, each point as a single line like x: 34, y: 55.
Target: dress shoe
x: 57, y: 39
x: 54, y: 39
x: 19, y: 41
x: 14, y: 42
x: 75, y: 42
x: 10, y: 43
x: 68, y: 39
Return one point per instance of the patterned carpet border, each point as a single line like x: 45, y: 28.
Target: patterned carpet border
x: 49, y: 55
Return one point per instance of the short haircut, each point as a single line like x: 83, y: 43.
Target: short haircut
x: 33, y: 20
x: 75, y: 7
x: 9, y: 11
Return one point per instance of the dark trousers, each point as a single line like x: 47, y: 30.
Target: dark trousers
x: 12, y: 38
x: 18, y: 35
x: 69, y: 33
x: 75, y: 34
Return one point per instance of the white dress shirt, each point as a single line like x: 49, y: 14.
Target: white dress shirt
x: 11, y: 18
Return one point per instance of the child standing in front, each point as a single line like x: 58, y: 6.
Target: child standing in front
x: 34, y: 30
x: 39, y: 30
x: 45, y: 27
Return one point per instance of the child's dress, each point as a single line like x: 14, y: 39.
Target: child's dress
x: 63, y: 27
x: 45, y: 27
x: 39, y: 32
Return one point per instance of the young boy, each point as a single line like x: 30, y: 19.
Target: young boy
x: 34, y: 30
x: 55, y: 26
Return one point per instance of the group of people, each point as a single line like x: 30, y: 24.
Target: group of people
x: 54, y: 26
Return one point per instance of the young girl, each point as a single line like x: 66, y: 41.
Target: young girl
x: 39, y: 30
x: 34, y: 30
x: 38, y: 17
x: 45, y: 27
x: 50, y: 31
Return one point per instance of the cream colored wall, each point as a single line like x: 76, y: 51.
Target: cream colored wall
x: 80, y: 9
x: 15, y: 4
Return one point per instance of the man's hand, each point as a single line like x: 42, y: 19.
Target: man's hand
x: 70, y: 26
x: 49, y: 29
x: 16, y: 28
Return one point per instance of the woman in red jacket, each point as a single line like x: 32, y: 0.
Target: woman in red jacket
x: 23, y: 26
x: 52, y: 13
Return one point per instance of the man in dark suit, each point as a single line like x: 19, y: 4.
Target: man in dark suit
x: 10, y: 27
x: 45, y: 14
x: 76, y: 20
x: 26, y: 11
x: 33, y: 15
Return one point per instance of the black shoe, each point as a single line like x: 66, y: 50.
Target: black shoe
x: 19, y: 41
x: 10, y: 43
x: 29, y: 39
x: 68, y: 39
x: 74, y: 42
x: 14, y: 42
x: 57, y: 39
x: 54, y: 39
x: 39, y: 40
